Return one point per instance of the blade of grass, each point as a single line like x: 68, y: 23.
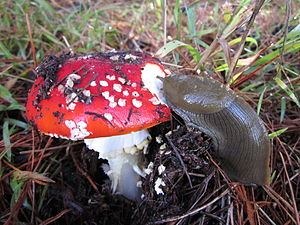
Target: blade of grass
x: 293, y: 35
x: 261, y: 97
x: 282, y: 108
x: 248, y: 39
x: 17, y: 187
x: 170, y: 46
x: 177, y: 19
x: 46, y: 6
x: 18, y: 123
x: 251, y: 86
x: 277, y: 133
x: 6, y: 140
x: 287, y: 90
x: 6, y: 95
x: 5, y: 52
x: 190, y: 11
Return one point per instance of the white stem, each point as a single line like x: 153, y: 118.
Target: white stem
x: 124, y: 154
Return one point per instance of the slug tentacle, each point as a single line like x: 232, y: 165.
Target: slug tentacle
x: 239, y: 136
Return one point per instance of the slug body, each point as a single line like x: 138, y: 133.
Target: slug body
x: 239, y: 136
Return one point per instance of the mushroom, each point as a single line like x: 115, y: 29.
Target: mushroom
x: 106, y: 99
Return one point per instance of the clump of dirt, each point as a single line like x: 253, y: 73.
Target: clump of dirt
x: 180, y: 170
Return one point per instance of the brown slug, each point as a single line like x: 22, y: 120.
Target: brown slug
x: 239, y: 136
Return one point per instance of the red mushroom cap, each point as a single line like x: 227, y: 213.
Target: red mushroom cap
x: 94, y: 95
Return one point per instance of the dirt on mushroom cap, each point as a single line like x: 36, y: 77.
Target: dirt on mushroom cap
x: 100, y: 88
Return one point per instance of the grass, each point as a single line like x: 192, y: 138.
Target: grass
x: 260, y: 61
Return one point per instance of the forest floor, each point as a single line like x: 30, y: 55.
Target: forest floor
x: 45, y: 180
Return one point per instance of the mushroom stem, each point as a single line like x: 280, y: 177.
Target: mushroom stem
x: 124, y: 154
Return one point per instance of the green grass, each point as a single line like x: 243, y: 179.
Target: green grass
x: 266, y: 72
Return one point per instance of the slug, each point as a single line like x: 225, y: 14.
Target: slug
x: 239, y: 137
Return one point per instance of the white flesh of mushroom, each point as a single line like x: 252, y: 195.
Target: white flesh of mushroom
x: 150, y: 77
x: 123, y: 153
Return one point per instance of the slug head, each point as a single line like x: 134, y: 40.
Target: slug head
x: 197, y: 94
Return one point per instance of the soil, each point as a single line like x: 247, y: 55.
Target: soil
x: 187, y: 175
x: 182, y: 163
x: 180, y: 158
x: 73, y: 191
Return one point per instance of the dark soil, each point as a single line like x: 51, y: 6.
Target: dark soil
x: 73, y: 191
x: 81, y: 192
x: 188, y: 174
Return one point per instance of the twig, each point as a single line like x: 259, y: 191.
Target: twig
x: 203, y: 190
x: 291, y: 190
x: 277, y: 198
x: 230, y: 213
x: 214, y: 45
x: 165, y: 21
x: 41, y: 156
x: 266, y: 215
x: 65, y: 77
x: 83, y: 172
x: 245, y: 78
x: 33, y: 202
x: 68, y: 45
x: 32, y: 150
x: 18, y: 204
x: 288, y: 13
x: 181, y: 161
x: 54, y: 218
x: 249, y: 210
x: 193, y: 211
x: 84, y: 88
x: 236, y: 57
x: 18, y: 169
x: 186, y: 59
x: 31, y: 39
x: 171, y: 64
x: 54, y: 148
